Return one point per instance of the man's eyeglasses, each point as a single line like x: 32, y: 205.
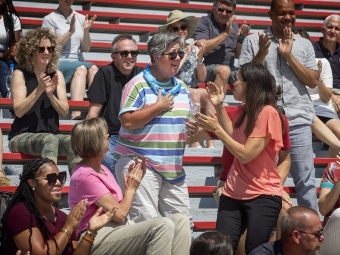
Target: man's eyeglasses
x: 42, y: 49
x: 173, y: 55
x: 222, y: 10
x: 317, y: 234
x: 182, y: 28
x: 52, y: 178
x: 125, y: 53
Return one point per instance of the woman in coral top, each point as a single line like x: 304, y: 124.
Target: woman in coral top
x: 252, y: 193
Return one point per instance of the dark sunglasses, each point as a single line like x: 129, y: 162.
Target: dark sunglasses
x: 222, y: 10
x: 52, y: 178
x: 173, y: 55
x: 42, y: 49
x: 317, y: 234
x: 125, y: 53
x: 182, y: 28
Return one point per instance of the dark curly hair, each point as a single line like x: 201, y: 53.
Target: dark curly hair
x: 24, y: 194
x: 27, y: 47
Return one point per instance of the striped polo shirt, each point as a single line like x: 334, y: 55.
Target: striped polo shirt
x: 162, y: 140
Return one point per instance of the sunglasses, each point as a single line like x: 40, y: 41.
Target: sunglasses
x: 182, y: 28
x: 317, y: 234
x: 222, y: 10
x: 52, y: 178
x: 125, y: 53
x: 42, y: 49
x: 173, y: 55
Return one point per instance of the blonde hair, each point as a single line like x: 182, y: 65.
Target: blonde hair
x: 88, y: 136
x: 27, y: 47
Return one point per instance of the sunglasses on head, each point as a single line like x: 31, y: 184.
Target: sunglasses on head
x: 125, y: 53
x: 173, y: 55
x: 42, y: 49
x: 52, y: 178
x: 317, y: 234
x: 222, y: 10
x: 182, y: 28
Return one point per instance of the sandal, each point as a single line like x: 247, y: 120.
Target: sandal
x: 4, y: 181
x: 77, y: 118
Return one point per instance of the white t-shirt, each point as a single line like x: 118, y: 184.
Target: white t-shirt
x: 327, y: 78
x: 4, y: 35
x: 57, y: 22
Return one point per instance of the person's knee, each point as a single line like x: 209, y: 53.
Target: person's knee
x: 81, y: 71
x: 336, y: 215
x: 165, y: 226
x: 223, y: 72
x: 181, y: 220
x: 92, y: 70
x: 51, y: 140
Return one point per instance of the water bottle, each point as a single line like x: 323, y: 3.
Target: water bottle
x: 9, y: 79
x: 195, y: 107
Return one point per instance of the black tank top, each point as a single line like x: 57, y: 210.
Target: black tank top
x: 42, y: 117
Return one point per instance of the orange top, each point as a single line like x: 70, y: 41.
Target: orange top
x: 259, y: 176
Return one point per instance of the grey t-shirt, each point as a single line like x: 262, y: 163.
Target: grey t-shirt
x: 295, y: 100
x: 208, y: 28
x: 57, y: 22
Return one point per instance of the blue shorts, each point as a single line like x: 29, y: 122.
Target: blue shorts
x: 68, y: 67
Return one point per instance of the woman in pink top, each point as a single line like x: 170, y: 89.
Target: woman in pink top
x: 93, y: 181
x: 252, y: 193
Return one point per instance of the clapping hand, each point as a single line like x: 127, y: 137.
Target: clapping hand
x: 264, y: 43
x: 75, y: 216
x: 229, y: 25
x: 136, y: 171
x: 286, y: 44
x: 201, y: 46
x: 216, y: 94
x: 209, y: 123
x: 51, y: 85
x: 73, y: 24
x: 243, y: 30
x: 99, y: 220
x: 88, y: 22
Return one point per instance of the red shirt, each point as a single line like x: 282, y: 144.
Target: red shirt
x: 228, y: 157
x: 19, y: 219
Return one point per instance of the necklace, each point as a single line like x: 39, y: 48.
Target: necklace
x: 54, y: 219
x: 68, y: 19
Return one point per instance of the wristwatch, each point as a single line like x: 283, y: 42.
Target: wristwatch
x: 91, y: 234
x: 200, y: 61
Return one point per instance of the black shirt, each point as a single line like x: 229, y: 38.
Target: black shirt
x: 42, y: 117
x: 322, y: 52
x: 270, y: 248
x: 106, y: 90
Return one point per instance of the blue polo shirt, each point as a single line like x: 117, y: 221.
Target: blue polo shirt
x: 223, y: 54
x: 322, y: 52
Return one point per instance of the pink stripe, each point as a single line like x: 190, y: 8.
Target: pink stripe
x: 156, y: 137
x: 166, y: 168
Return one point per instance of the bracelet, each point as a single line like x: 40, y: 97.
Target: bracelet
x: 91, y: 234
x: 319, y: 83
x: 67, y: 233
x: 87, y: 239
x: 241, y: 39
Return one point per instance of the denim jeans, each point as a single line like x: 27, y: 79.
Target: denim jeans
x: 302, y: 167
x: 4, y: 69
x: 108, y: 157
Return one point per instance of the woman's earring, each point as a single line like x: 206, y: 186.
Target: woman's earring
x: 33, y: 189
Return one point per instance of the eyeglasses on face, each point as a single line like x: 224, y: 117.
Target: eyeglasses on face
x: 173, y: 55
x: 125, y: 53
x: 182, y: 28
x: 222, y: 10
x: 317, y: 234
x: 52, y: 178
x: 42, y: 49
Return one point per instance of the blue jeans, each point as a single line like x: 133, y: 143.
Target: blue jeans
x: 108, y: 157
x: 4, y: 69
x: 302, y: 167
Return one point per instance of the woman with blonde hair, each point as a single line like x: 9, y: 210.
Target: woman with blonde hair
x: 39, y: 97
x: 94, y: 181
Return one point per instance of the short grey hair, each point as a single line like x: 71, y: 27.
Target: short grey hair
x: 335, y: 16
x: 226, y: 2
x: 160, y: 42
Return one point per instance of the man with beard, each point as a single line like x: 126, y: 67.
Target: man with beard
x: 301, y: 234
x: 291, y: 60
x: 106, y: 89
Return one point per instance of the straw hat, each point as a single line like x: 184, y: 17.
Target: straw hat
x: 177, y: 15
